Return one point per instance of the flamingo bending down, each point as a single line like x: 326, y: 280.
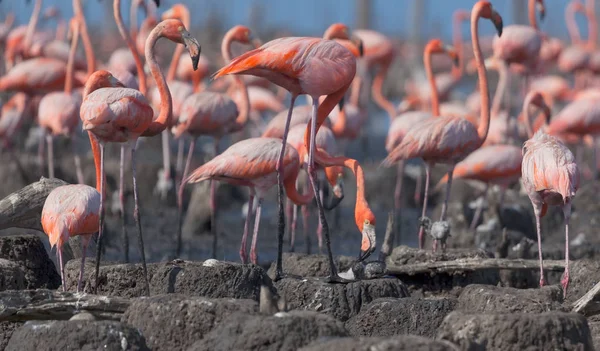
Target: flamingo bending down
x: 450, y: 139
x: 122, y: 114
x: 216, y: 114
x: 58, y: 112
x: 550, y: 177
x: 311, y: 66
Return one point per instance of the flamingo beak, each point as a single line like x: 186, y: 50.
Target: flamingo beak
x: 497, y: 20
x: 541, y: 9
x: 368, y: 242
x: 157, y: 2
x: 359, y: 44
x: 453, y: 54
x: 193, y: 47
x: 255, y: 41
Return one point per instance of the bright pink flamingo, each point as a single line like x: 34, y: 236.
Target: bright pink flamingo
x: 450, y: 139
x: 311, y: 66
x: 550, y: 177
x: 520, y: 45
x: 215, y: 114
x: 59, y: 111
x: 122, y: 115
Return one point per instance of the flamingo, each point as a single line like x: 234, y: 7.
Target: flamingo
x: 575, y: 58
x: 122, y: 114
x: 210, y: 113
x: 301, y: 65
x: 58, y: 112
x: 450, y: 139
x: 5, y: 27
x: 550, y: 177
x: 520, y: 45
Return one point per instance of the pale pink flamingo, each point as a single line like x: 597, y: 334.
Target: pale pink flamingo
x: 309, y: 66
x: 300, y: 115
x: 450, y: 139
x: 550, y: 177
x: 122, y: 115
x: 575, y: 58
x: 215, y: 114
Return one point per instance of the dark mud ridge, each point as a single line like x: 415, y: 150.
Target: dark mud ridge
x: 459, y: 300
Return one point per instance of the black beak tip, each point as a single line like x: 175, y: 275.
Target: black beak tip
x: 361, y: 49
x: 195, y: 60
x: 157, y: 2
x: 499, y: 27
x: 542, y: 15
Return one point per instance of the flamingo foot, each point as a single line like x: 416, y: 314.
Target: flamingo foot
x: 565, y: 282
x: 334, y: 278
x: 281, y: 275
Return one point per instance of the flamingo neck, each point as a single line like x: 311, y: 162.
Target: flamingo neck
x: 325, y: 107
x: 500, y: 89
x: 435, y: 99
x: 35, y: 15
x: 340, y: 123
x: 356, y: 90
x: 531, y: 13
x: 592, y: 24
x: 133, y: 19
x: 377, y: 90
x: 292, y: 193
x: 484, y: 121
x: 361, y: 206
x: 244, y: 113
x: 97, y: 161
x: 71, y: 60
x: 570, y: 11
x: 166, y: 103
x: 125, y: 35
x: 185, y: 19
x: 85, y: 37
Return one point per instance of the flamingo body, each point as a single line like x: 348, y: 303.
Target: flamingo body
x: 59, y: 113
x: 519, y: 44
x: 35, y: 75
x: 206, y: 113
x: 579, y: 117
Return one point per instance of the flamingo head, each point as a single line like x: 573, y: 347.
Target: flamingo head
x: 101, y: 79
x: 178, y: 11
x: 541, y: 8
x: 365, y: 220
x: 337, y: 31
x: 175, y: 31
x: 243, y: 34
x: 436, y: 46
x: 485, y: 10
x: 51, y: 12
x: 73, y: 25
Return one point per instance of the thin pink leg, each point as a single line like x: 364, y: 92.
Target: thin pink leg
x: 213, y: 207
x: 539, y: 237
x: 418, y: 186
x: 85, y: 240
x: 101, y: 220
x: 253, y: 256
x: 138, y: 221
x: 479, y: 209
x: 122, y: 212
x: 41, y: 146
x: 179, y: 163
x: 166, y: 156
x: 243, y: 249
x: 62, y: 269
x: 288, y: 220
x: 565, y: 279
x: 305, y: 215
x: 448, y: 188
x: 50, y: 143
x: 399, y: 181
x: 294, y: 223
x: 320, y: 227
x: 180, y: 195
x: 424, y: 210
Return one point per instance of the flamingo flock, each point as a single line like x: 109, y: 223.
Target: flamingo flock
x: 251, y: 103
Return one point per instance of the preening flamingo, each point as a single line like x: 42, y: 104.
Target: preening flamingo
x: 450, y: 139
x: 215, y: 114
x: 122, y: 114
x: 550, y: 177
x: 309, y: 66
x: 58, y: 112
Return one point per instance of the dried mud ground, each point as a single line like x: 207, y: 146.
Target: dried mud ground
x: 202, y: 304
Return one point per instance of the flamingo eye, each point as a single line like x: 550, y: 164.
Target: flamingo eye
x: 367, y: 221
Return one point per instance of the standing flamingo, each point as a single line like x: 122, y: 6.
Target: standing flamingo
x: 311, y: 66
x: 450, y: 139
x: 216, y: 114
x: 122, y: 114
x: 59, y: 111
x: 550, y: 177
x: 575, y: 58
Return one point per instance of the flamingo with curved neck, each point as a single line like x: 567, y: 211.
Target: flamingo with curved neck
x: 450, y: 139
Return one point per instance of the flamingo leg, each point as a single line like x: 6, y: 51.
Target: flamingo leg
x: 479, y: 209
x: 294, y: 224
x: 138, y: 221
x: 41, y: 146
x: 77, y: 159
x: 213, y: 207
x: 180, y: 195
x: 418, y: 186
x: 424, y: 210
x: 288, y: 220
x: 565, y: 279
x: 179, y: 162
x: 122, y: 213
x: 101, y: 220
x: 537, y: 209
x: 243, y: 253
x: 320, y: 227
x: 84, y: 244
x: 448, y: 188
x: 398, y: 198
x: 279, y: 168
x: 49, y: 141
x: 166, y: 153
x: 312, y: 176
x: 62, y: 269
x: 305, y: 214
x: 253, y: 256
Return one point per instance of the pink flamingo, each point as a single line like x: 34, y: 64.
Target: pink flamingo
x: 520, y: 45
x: 59, y: 111
x: 215, y: 114
x: 450, y: 139
x: 122, y: 115
x: 550, y: 177
x: 311, y: 66
x: 575, y: 58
